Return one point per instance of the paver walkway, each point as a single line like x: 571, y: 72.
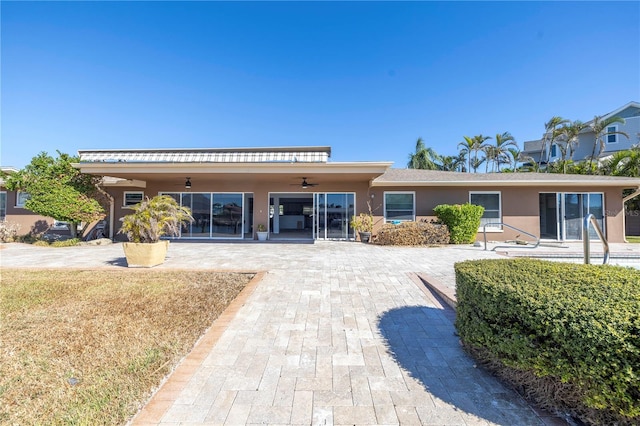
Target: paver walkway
x: 335, y: 333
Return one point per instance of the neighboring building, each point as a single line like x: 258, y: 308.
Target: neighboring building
x: 586, y: 140
x: 300, y: 195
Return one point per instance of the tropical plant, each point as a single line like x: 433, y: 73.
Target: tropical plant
x: 600, y: 129
x: 452, y: 163
x: 58, y: 190
x: 154, y: 218
x: 623, y: 163
x: 550, y: 134
x: 568, y: 138
x: 424, y: 158
x: 473, y: 145
x: 362, y: 222
x: 515, y: 157
x: 504, y: 141
x: 477, y: 162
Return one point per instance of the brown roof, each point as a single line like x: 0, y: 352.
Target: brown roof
x: 413, y: 177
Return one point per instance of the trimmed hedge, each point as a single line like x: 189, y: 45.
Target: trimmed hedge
x: 463, y: 221
x: 413, y: 234
x: 576, y: 324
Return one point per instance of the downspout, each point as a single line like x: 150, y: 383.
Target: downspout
x: 624, y: 211
x: 111, y: 208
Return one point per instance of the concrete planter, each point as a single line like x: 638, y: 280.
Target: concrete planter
x: 145, y: 255
x: 262, y: 235
x: 365, y: 237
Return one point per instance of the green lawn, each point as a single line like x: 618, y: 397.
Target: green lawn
x: 633, y: 239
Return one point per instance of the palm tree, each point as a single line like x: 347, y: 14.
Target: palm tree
x: 515, y: 157
x: 624, y: 163
x: 503, y: 142
x: 568, y: 136
x: 600, y: 129
x: 423, y: 158
x: 490, y: 155
x: 477, y: 162
x: 550, y: 134
x: 451, y: 163
x: 466, y: 148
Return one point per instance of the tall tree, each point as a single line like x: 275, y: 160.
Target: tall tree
x: 58, y: 190
x: 466, y: 149
x: 451, y: 163
x: 423, y: 158
x: 568, y: 138
x: 600, y: 128
x: 515, y: 157
x: 470, y: 147
x: 550, y: 134
x: 504, y: 141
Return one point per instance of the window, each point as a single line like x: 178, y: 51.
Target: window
x: 492, y: 208
x: 399, y: 206
x: 132, y: 198
x: 21, y: 198
x: 612, y: 138
x: 554, y: 151
x: 3, y: 205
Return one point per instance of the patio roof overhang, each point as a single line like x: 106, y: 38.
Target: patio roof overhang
x: 141, y: 174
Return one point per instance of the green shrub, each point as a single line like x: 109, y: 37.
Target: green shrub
x: 576, y: 325
x: 66, y: 243
x: 463, y: 221
x: 413, y: 234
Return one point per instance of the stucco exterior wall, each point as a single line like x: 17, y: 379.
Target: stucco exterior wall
x: 29, y: 222
x: 520, y: 207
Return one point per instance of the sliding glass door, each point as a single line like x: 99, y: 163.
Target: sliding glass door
x: 216, y: 215
x: 562, y: 214
x: 332, y: 213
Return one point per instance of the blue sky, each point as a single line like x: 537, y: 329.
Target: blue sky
x: 366, y: 78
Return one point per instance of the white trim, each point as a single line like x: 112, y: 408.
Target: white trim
x: 384, y: 205
x: 124, y: 198
x: 615, y: 129
x: 19, y: 204
x: 499, y: 193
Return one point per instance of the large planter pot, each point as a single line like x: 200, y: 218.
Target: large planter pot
x: 365, y: 237
x: 145, y: 255
x: 262, y: 235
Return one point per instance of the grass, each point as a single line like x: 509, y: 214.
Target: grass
x: 633, y: 239
x: 88, y: 347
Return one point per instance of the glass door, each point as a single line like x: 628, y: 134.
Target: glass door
x: 332, y: 213
x: 576, y: 207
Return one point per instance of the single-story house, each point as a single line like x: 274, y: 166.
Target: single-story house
x: 298, y: 194
x: 12, y: 210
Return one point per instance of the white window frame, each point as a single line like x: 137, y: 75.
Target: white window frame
x: 615, y: 136
x: 554, y: 151
x: 499, y: 219
x: 413, y: 211
x: 124, y: 198
x: 21, y: 199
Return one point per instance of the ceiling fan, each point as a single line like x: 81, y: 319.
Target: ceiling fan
x: 305, y: 184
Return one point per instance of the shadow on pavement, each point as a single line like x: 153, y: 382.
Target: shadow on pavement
x: 422, y: 341
x: 119, y: 261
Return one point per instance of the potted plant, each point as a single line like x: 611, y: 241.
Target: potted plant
x: 363, y: 224
x: 151, y: 219
x: 262, y: 232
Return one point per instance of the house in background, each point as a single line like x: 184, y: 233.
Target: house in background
x: 299, y: 195
x: 12, y: 210
x: 586, y: 140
